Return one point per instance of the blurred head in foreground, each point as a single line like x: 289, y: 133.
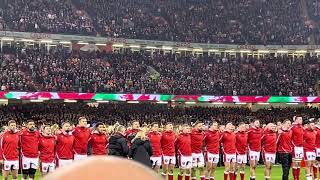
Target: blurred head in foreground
x: 100, y: 168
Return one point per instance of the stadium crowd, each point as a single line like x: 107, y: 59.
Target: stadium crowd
x: 206, y: 21
x: 124, y: 113
x: 46, y: 16
x: 34, y: 69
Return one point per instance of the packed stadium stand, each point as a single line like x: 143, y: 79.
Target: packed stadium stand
x: 205, y: 21
x: 34, y: 69
x: 125, y: 113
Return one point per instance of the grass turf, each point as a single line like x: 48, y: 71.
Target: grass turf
x: 275, y: 175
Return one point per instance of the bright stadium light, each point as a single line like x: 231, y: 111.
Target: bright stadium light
x: 117, y: 45
x: 282, y: 51
x: 102, y: 101
x: 7, y: 39
x: 217, y: 103
x: 198, y: 49
x: 100, y: 44
x: 263, y: 103
x: 301, y: 51
x: 36, y: 100
x: 134, y: 46
x: 3, y: 100
x: 292, y: 103
x: 245, y: 51
x: 151, y: 47
x: 162, y: 102
x: 213, y: 50
x: 263, y: 51
x: 65, y: 42
x: 46, y: 41
x: 190, y: 102
x: 167, y: 48
x: 133, y: 102
x: 240, y: 103
x: 70, y: 101
x: 182, y: 49
x: 27, y: 40
x: 84, y: 43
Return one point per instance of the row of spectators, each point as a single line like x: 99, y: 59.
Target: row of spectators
x: 36, y: 70
x: 145, y: 113
x: 205, y: 21
x: 48, y: 16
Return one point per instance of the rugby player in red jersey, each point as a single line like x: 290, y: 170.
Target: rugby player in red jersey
x: 309, y: 147
x: 99, y: 140
x: 10, y: 151
x: 47, y: 150
x: 254, y: 144
x: 228, y: 141
x: 285, y: 148
x: 155, y: 139
x: 297, y: 141
x: 29, y: 139
x: 64, y: 147
x: 131, y: 133
x: 183, y: 146
x: 269, y: 146
x: 212, y: 145
x: 242, y: 149
x: 317, y: 163
x: 81, y: 135
x: 197, y: 137
x: 168, y: 151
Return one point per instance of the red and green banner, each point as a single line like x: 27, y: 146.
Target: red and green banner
x: 157, y: 97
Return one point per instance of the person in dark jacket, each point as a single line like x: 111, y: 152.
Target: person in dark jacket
x: 141, y: 150
x: 118, y: 143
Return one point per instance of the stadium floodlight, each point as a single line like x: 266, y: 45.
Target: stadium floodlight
x: 245, y: 51
x: 134, y: 46
x: 133, y: 102
x: 102, y: 101
x: 182, y: 49
x: 213, y: 50
x: 198, y: 49
x: 167, y: 48
x: 217, y: 103
x: 263, y: 51
x: 46, y: 41
x: 84, y: 43
x: 65, y: 42
x: 27, y: 40
x: 292, y: 103
x: 162, y: 102
x: 240, y: 103
x: 317, y: 51
x: 7, y: 39
x: 3, y: 100
x: 70, y: 101
x: 190, y: 102
x: 230, y: 51
x: 301, y: 51
x: 117, y: 45
x: 263, y: 103
x: 36, y: 100
x: 100, y: 44
x: 151, y: 47
x: 282, y: 51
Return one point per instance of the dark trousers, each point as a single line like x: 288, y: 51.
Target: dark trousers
x: 285, y: 160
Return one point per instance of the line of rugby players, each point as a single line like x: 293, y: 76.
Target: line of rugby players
x: 196, y: 147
